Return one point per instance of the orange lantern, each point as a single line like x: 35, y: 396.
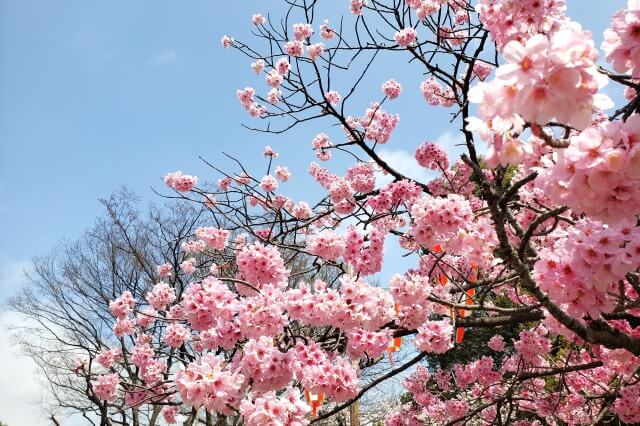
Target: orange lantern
x: 314, y: 400
x: 468, y: 300
x: 395, y: 346
x: 460, y: 330
x: 474, y: 273
x: 470, y: 293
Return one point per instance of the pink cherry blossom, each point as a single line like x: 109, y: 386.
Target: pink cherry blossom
x: 432, y: 156
x: 391, y: 89
x: 261, y: 265
x: 622, y: 40
x: 208, y: 382
x: 406, y: 36
x: 226, y: 41
x: 356, y: 6
x: 315, y: 50
x: 257, y: 19
x: 435, y: 336
x: 326, y: 32
x: 160, y: 296
x: 332, y: 97
x: 106, y: 387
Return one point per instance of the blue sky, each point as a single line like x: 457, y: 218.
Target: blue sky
x: 95, y: 95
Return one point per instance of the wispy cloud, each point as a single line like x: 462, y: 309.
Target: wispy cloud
x: 20, y: 391
x: 403, y: 162
x: 164, y: 57
x: 97, y: 48
x: 451, y: 141
x: 12, y: 275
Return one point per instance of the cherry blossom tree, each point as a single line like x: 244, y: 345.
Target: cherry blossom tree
x: 531, y: 235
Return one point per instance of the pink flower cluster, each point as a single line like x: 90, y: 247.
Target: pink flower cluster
x: 294, y: 48
x: 482, y: 70
x: 394, y: 194
x: 274, y: 79
x: 106, y: 387
x: 188, y: 266
x: 283, y: 173
x: 507, y: 21
x: 332, y: 97
x: 424, y: 8
x: 257, y: 19
x: 262, y: 314
x: 435, y: 95
x: 176, y: 335
x: 180, y: 182
x: 320, y: 144
x: 337, y: 379
x: 257, y: 66
x: 365, y: 253
x: 355, y: 305
x: 107, y: 357
x: 269, y: 183
x: 363, y: 343
x: 411, y: 290
x: 496, y: 343
x: 302, y: 31
x: 226, y: 41
x: 208, y: 382
x: 268, y: 367
x: 578, y: 270
x: 438, y: 220
x: 362, y: 177
x: 315, y: 50
x: 548, y: 77
x: 260, y: 265
x: 627, y: 405
x: 622, y: 40
x: 532, y: 345
x: 599, y: 173
x: 205, y: 302
x: 480, y: 371
x: 215, y: 238
x: 326, y: 32
x: 326, y: 244
x: 124, y: 326
x: 356, y: 6
x: 222, y: 334
x: 377, y: 124
x: 245, y: 97
x: 406, y: 36
x: 435, y: 336
x: 160, y: 296
x: 287, y: 409
x: 391, y: 89
x: 432, y: 156
x: 123, y: 305
x: 457, y: 181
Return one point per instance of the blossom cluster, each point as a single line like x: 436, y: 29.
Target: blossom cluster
x: 622, y: 40
x: 599, y: 173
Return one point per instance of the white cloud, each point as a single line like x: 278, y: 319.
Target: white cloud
x: 452, y: 142
x: 20, y: 391
x: 11, y: 275
x: 403, y: 162
x: 164, y: 57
